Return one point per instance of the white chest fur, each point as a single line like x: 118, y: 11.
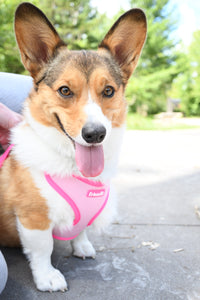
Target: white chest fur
x: 44, y: 149
x: 60, y: 212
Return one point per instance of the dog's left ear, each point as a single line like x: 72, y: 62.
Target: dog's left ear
x: 125, y: 40
x: 36, y: 37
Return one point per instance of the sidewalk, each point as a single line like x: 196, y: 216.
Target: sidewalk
x: 152, y: 252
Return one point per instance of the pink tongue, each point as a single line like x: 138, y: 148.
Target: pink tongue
x: 90, y: 160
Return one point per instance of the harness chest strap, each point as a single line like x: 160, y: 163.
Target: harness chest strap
x: 86, y: 197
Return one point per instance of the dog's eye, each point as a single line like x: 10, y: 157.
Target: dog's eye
x: 108, y: 91
x: 64, y: 91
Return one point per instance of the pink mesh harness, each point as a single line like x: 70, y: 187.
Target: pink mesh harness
x: 86, y: 197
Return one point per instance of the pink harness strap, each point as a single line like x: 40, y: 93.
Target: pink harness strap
x: 87, y: 198
x: 5, y: 155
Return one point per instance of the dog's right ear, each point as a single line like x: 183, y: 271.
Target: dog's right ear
x: 36, y: 37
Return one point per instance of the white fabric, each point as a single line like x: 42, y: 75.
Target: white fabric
x: 3, y: 272
x: 14, y: 89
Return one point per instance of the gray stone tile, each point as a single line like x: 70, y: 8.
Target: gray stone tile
x: 118, y: 272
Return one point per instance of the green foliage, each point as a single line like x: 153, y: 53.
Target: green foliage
x: 9, y: 54
x: 192, y: 99
x: 155, y: 72
x: 164, y: 70
x: 77, y: 22
x: 187, y: 84
x: 9, y: 58
x: 137, y: 122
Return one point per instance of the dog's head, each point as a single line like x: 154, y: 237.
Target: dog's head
x: 80, y: 93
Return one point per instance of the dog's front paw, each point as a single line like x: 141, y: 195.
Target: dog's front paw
x: 51, y: 281
x: 83, y: 249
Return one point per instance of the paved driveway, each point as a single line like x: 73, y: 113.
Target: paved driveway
x: 153, y: 250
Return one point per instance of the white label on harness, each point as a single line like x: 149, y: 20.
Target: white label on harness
x: 96, y: 193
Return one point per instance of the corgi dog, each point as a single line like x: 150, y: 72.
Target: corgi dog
x: 67, y: 145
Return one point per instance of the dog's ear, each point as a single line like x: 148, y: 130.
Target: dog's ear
x: 125, y: 40
x: 36, y: 37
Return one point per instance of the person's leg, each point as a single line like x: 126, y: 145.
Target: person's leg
x: 14, y: 89
x: 3, y: 272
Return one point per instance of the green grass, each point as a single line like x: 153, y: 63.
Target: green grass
x: 138, y: 122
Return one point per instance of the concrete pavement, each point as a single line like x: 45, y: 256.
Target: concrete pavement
x: 152, y: 250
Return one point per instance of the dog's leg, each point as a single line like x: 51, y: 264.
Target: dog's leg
x: 82, y: 247
x: 38, y: 246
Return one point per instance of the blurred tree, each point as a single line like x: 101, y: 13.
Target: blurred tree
x: 194, y: 55
x: 156, y: 70
x: 77, y: 22
x: 9, y: 56
x: 187, y: 84
x: 164, y: 70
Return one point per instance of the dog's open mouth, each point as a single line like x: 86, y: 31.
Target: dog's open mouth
x: 89, y: 160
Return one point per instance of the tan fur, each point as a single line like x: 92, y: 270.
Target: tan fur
x: 19, y: 197
x: 113, y: 108
x: 47, y: 102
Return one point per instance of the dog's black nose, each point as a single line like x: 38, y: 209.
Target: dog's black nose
x: 93, y: 133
